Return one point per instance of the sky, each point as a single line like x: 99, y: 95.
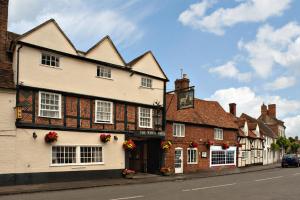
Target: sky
x: 242, y: 51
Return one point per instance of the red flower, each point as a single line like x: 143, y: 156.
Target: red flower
x: 129, y: 145
x: 51, y: 137
x: 209, y: 143
x: 225, y: 146
x: 105, y: 138
x: 193, y: 144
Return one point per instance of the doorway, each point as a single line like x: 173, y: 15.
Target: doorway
x: 178, y: 162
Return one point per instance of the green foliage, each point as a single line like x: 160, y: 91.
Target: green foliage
x: 275, y: 147
x: 283, y: 142
x: 294, y: 147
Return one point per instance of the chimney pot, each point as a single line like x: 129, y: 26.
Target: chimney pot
x: 232, y: 108
x: 272, y: 110
x: 182, y: 83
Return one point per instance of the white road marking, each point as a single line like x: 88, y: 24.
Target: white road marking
x: 133, y: 197
x: 265, y: 179
x: 296, y: 174
x: 209, y: 187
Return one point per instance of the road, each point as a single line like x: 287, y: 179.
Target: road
x: 275, y: 184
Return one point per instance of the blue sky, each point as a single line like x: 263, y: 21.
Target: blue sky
x: 243, y: 51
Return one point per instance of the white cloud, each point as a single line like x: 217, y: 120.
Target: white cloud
x: 274, y: 47
x: 249, y: 102
x: 81, y: 20
x: 281, y: 83
x: 245, y: 11
x: 292, y: 126
x: 229, y: 70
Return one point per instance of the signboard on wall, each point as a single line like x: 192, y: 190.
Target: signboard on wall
x: 185, y: 99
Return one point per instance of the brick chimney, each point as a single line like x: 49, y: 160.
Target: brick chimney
x: 182, y: 83
x: 232, y: 108
x: 272, y: 110
x: 3, y: 29
x: 264, y: 110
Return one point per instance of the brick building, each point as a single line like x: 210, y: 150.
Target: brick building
x: 203, y: 136
x: 79, y: 96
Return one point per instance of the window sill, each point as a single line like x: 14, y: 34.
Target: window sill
x: 145, y: 127
x: 49, y: 66
x: 76, y: 164
x: 104, y: 78
x: 103, y: 122
x: 193, y: 163
x: 143, y: 87
x: 50, y: 117
x: 176, y: 136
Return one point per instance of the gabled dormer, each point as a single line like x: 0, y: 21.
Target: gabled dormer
x: 49, y: 35
x: 106, y: 51
x: 147, y: 64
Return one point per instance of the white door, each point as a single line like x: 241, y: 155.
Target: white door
x: 178, y: 162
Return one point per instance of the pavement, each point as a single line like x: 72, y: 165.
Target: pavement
x: 138, y: 179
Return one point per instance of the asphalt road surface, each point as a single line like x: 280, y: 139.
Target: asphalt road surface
x: 275, y: 184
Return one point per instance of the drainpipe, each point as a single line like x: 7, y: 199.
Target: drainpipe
x: 18, y: 66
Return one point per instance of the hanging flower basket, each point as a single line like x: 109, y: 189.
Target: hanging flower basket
x: 166, y: 145
x: 51, y: 137
x: 209, y: 143
x: 105, y: 138
x: 193, y: 144
x: 225, y: 146
x: 129, y: 145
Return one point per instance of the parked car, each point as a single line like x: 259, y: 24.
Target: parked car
x: 290, y: 160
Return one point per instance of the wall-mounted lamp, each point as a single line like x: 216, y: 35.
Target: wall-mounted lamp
x: 116, y: 137
x: 18, y: 112
x: 34, y: 135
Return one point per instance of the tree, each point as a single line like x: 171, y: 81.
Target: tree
x: 294, y: 147
x: 275, y: 147
x: 283, y: 142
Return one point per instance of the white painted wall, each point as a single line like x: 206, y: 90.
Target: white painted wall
x: 78, y: 76
x: 23, y: 154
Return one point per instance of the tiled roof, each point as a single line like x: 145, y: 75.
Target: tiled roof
x: 263, y: 128
x: 204, y: 113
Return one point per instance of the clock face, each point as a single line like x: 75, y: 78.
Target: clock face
x: 185, y: 99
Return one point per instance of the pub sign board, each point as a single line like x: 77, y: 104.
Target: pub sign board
x: 185, y: 99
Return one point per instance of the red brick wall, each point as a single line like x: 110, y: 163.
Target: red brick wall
x: 200, y: 135
x: 86, y: 106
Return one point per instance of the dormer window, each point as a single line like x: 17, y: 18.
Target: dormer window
x: 50, y: 60
x: 103, y: 72
x: 146, y: 82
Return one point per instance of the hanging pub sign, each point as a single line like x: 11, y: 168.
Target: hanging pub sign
x: 185, y: 99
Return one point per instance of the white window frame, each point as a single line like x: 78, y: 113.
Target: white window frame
x: 111, y: 112
x: 78, y: 155
x: 188, y: 155
x: 59, y: 104
x: 181, y: 127
x: 51, y: 55
x: 148, y: 82
x: 151, y: 118
x: 106, y: 70
x: 219, y: 148
x: 218, y: 134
